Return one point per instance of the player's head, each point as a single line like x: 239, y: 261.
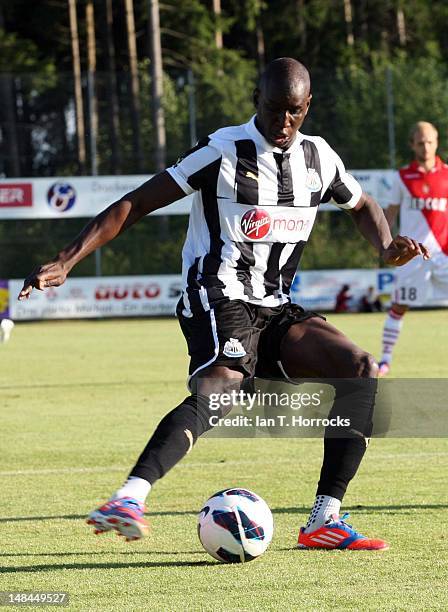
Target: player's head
x: 282, y: 99
x: 423, y: 139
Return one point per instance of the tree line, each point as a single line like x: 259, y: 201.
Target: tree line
x: 125, y: 86
x: 125, y: 76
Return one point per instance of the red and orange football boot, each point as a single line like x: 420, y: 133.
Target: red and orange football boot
x: 337, y: 534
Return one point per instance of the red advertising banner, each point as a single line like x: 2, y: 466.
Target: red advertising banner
x: 13, y: 195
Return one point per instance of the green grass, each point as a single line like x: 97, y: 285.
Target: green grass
x: 78, y: 402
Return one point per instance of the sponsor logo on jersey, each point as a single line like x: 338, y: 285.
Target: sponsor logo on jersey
x: 234, y: 348
x: 429, y: 204
x: 251, y: 175
x: 61, y: 196
x: 290, y: 224
x: 255, y: 223
x: 312, y: 180
x: 16, y: 194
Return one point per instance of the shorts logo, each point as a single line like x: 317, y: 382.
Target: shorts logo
x: 61, y: 196
x: 255, y: 224
x: 312, y: 181
x: 234, y: 348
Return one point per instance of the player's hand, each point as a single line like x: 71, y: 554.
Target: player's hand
x: 51, y: 274
x: 402, y: 249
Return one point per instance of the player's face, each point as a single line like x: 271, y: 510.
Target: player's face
x: 424, y: 145
x: 281, y: 114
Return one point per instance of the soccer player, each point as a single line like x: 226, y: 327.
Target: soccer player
x: 420, y: 194
x: 257, y: 190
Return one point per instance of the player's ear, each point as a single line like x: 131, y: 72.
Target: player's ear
x: 256, y: 96
x: 308, y: 102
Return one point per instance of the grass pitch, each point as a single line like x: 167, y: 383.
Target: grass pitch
x: 78, y: 402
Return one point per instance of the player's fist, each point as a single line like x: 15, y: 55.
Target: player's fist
x: 51, y: 274
x: 402, y: 249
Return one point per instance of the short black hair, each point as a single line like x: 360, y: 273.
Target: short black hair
x: 287, y: 73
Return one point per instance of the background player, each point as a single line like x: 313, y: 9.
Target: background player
x: 257, y: 190
x: 420, y: 194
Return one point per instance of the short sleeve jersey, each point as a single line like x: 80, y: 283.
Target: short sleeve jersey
x: 423, y: 198
x: 253, y: 212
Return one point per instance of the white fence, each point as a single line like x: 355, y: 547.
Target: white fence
x: 71, y: 197
x: 130, y: 296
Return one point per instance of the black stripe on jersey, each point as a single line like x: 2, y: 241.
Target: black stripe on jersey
x: 290, y: 266
x: 272, y: 274
x: 246, y: 175
x: 285, y: 190
x: 245, y: 262
x: 312, y: 160
x: 337, y: 190
x: 199, y: 145
x: 206, y: 179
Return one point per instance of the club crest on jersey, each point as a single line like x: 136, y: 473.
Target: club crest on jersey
x: 255, y: 223
x: 234, y: 348
x: 312, y: 181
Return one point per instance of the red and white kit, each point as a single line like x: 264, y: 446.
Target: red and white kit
x: 423, y: 200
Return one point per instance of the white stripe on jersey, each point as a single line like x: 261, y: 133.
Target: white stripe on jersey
x: 261, y: 254
x: 253, y: 211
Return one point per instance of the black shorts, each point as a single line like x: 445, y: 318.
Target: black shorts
x: 239, y: 335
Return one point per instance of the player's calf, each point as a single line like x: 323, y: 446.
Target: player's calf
x: 174, y: 437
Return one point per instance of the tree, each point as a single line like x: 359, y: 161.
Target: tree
x: 91, y: 76
x: 80, y: 125
x: 158, y: 115
x: 111, y: 87
x: 9, y: 123
x: 135, y: 86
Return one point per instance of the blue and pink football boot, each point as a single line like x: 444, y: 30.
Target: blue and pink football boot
x: 125, y: 515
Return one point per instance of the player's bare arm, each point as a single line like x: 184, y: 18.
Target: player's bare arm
x: 373, y: 225
x: 391, y: 214
x: 156, y: 193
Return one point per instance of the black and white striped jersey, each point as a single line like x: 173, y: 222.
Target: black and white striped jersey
x: 253, y: 211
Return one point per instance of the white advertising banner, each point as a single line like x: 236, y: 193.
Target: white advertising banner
x: 65, y: 197
x: 109, y: 296
x: 135, y: 296
x: 317, y: 289
x: 86, y: 196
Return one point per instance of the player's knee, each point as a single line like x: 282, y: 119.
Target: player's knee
x: 219, y: 379
x: 190, y: 419
x: 363, y: 365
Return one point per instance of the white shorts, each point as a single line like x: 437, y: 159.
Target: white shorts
x: 422, y: 283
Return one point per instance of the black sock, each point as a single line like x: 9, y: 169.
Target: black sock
x: 344, y: 448
x: 173, y: 438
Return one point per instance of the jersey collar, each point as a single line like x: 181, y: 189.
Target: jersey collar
x: 261, y: 141
x: 415, y: 166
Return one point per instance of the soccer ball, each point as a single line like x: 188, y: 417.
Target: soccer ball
x: 235, y: 525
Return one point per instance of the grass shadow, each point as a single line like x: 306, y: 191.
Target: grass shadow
x: 359, y: 509
x: 82, y: 566
x: 72, y: 517
x: 148, y: 553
